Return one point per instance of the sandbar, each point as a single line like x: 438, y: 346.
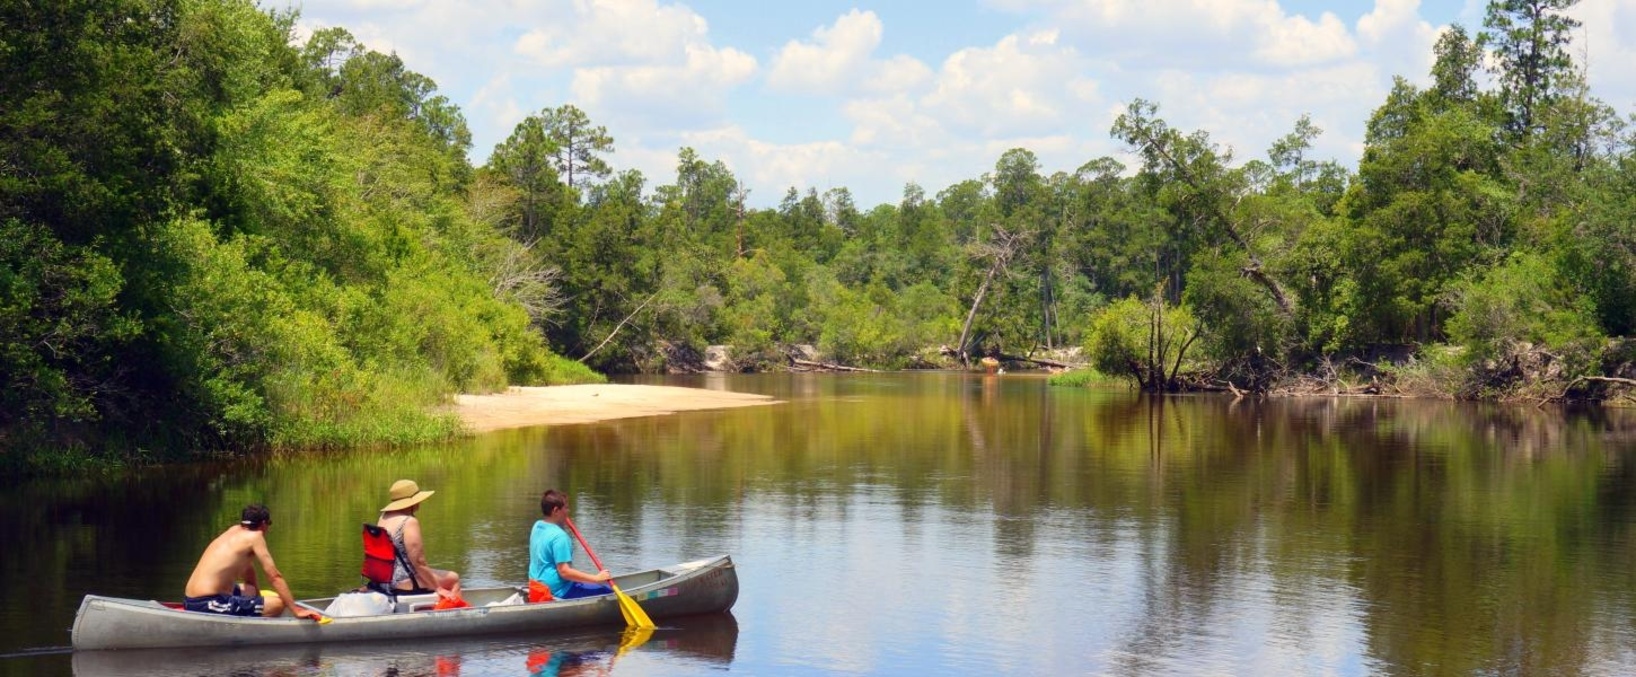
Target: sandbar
x: 522, y: 407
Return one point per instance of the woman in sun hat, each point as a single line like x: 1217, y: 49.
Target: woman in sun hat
x: 398, y: 518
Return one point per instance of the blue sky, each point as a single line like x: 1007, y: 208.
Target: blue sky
x: 873, y: 95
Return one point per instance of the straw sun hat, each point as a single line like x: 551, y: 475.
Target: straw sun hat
x: 405, y: 493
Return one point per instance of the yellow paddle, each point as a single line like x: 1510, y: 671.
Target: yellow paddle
x: 633, y: 637
x: 633, y: 613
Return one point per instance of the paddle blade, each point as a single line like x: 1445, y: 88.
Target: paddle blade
x: 634, y: 615
x: 634, y: 637
x: 625, y: 609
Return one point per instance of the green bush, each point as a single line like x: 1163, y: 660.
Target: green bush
x: 1123, y: 341
x: 1521, y: 300
x: 1436, y: 371
x: 556, y: 370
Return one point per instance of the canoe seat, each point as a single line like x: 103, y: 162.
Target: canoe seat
x: 412, y: 603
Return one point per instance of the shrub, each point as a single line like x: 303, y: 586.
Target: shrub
x: 1124, y: 344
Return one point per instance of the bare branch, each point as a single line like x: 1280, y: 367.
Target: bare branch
x: 515, y: 276
x: 621, y: 325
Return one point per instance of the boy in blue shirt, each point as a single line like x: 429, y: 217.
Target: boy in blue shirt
x: 551, y: 574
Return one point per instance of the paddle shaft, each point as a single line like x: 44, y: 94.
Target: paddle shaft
x: 583, y: 544
x: 634, y: 615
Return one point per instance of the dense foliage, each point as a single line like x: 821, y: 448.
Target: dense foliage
x: 216, y: 236
x: 213, y: 238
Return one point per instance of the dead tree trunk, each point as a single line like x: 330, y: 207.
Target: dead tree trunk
x: 826, y: 366
x: 999, y: 250
x: 1033, y: 360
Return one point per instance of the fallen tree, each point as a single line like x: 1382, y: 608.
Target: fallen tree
x: 809, y: 365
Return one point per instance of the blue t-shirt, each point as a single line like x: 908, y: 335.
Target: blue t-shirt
x: 548, y: 545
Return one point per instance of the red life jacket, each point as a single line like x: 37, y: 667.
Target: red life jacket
x: 379, y: 556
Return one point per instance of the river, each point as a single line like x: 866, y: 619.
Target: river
x: 936, y: 523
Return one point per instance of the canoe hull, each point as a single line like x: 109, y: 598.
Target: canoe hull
x: 703, y: 586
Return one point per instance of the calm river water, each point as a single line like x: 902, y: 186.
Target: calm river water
x: 937, y: 524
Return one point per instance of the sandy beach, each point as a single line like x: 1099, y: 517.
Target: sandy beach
x: 558, y: 405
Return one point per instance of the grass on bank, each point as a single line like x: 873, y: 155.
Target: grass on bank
x: 405, y: 412
x: 391, y: 412
x: 1081, y: 378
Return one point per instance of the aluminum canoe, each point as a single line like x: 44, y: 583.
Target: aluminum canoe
x: 697, y: 587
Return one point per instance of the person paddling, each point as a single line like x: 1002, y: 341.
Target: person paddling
x: 224, y: 582
x: 551, y: 574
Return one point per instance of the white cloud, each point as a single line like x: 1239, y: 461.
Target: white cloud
x: 1025, y: 83
x: 771, y: 167
x: 839, y: 59
x: 1608, y: 39
x: 381, y: 5
x: 1200, y: 33
x: 643, y: 62
x: 611, y: 32
x: 900, y: 73
x: 1389, y: 17
x: 1398, y: 40
x: 834, y: 56
x: 892, y: 122
x: 1243, y: 70
x: 692, y: 88
x: 1297, y: 40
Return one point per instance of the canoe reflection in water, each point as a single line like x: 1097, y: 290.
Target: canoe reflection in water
x: 707, y: 641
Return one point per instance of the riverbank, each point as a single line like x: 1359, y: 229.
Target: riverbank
x: 522, y: 407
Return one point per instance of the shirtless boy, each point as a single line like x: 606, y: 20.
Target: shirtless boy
x: 225, y: 580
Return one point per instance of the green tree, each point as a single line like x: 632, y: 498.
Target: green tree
x: 612, y: 269
x: 756, y: 304
x: 1112, y: 232
x: 61, y: 329
x: 1028, y: 205
x: 922, y: 236
x: 1192, y: 179
x: 1428, y: 205
x: 323, y: 55
x: 526, y: 160
x: 579, y: 144
x: 1529, y: 39
x: 1598, y: 249
x: 1456, y: 59
x: 805, y: 223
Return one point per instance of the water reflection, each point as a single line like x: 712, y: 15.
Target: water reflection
x: 697, y: 643
x: 950, y: 524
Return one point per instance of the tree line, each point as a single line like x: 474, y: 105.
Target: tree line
x: 219, y: 237
x: 1483, y: 235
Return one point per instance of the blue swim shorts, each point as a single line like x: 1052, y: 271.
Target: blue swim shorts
x: 227, y: 605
